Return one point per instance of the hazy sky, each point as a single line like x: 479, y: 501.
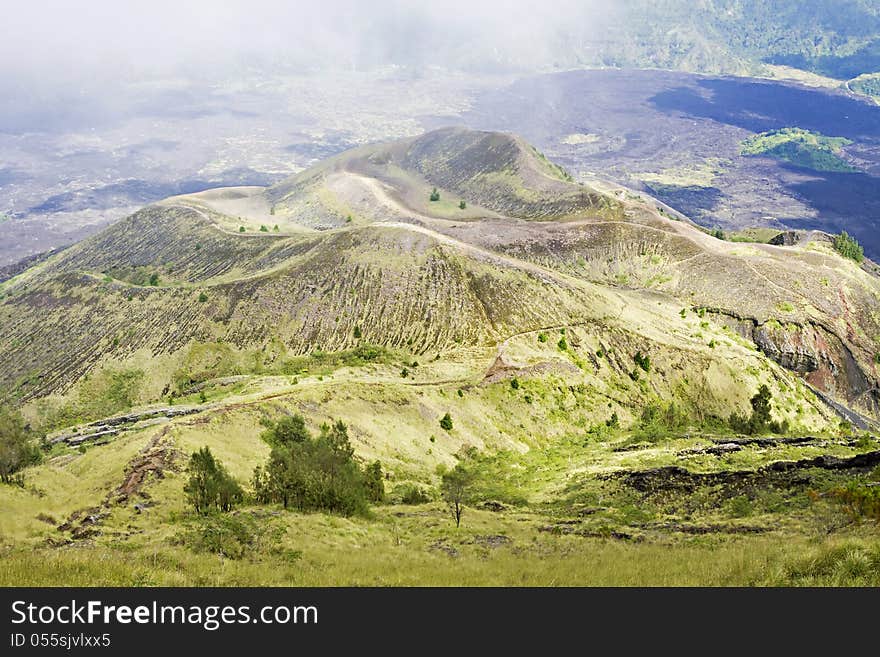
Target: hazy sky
x: 63, y: 59
x: 112, y: 37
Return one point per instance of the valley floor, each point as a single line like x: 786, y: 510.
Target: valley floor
x: 419, y: 546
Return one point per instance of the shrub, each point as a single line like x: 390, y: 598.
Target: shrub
x: 718, y: 234
x: 514, y: 383
x: 263, y: 228
x: 357, y: 333
x: 849, y: 247
x: 287, y: 431
x: 435, y: 195
x: 241, y: 229
x: 404, y: 372
x: 374, y: 482
x: 462, y: 205
x: 154, y: 280
x: 233, y: 536
x: 407, y: 493
x: 659, y: 420
x: 642, y: 361
x: 18, y: 448
x: 542, y: 337
x: 209, y: 485
x: 858, y: 501
x: 203, y: 297
x: 760, y: 420
x: 562, y: 344
x: 276, y: 228
x: 446, y: 422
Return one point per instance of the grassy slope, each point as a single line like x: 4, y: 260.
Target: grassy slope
x: 453, y: 294
x: 808, y: 150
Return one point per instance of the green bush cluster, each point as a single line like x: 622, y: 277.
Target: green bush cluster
x: 760, y: 421
x: 859, y: 501
x: 848, y: 247
x: 18, y: 447
x: 210, y: 487
x: 316, y: 473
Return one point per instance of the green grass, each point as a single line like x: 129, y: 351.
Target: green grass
x: 868, y: 84
x: 802, y: 148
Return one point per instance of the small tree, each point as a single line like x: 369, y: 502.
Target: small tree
x: 209, y: 484
x: 435, y: 195
x: 202, y: 297
x: 357, y: 333
x: 264, y: 228
x: 287, y: 431
x: 848, y: 247
x: 154, y: 279
x: 446, y: 422
x: 761, y: 407
x: 17, y: 448
x: 462, y: 205
x: 374, y: 483
x: 241, y: 229
x: 455, y: 487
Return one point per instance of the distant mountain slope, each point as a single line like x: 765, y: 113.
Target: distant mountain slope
x: 182, y: 291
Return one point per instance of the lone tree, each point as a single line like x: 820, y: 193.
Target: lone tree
x: 462, y: 205
x: 209, y: 485
x: 17, y: 448
x: 446, y: 422
x: 455, y: 486
x: 435, y: 195
x: 761, y: 409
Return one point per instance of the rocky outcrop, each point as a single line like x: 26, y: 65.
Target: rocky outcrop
x: 812, y: 350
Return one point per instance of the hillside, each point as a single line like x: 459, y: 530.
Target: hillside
x: 577, y: 334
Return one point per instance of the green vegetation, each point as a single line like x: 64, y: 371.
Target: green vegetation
x: 315, y: 474
x: 642, y: 361
x: 849, y: 247
x: 264, y: 228
x: 446, y: 422
x: 868, y: 85
x: 859, y: 500
x: 17, y: 446
x: 809, y: 150
x: 562, y: 344
x: 210, y: 486
x: 241, y: 229
x: 202, y: 297
x: 234, y: 536
x: 760, y: 420
x: 435, y: 195
x: 154, y: 279
x: 455, y: 488
x: 462, y: 205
